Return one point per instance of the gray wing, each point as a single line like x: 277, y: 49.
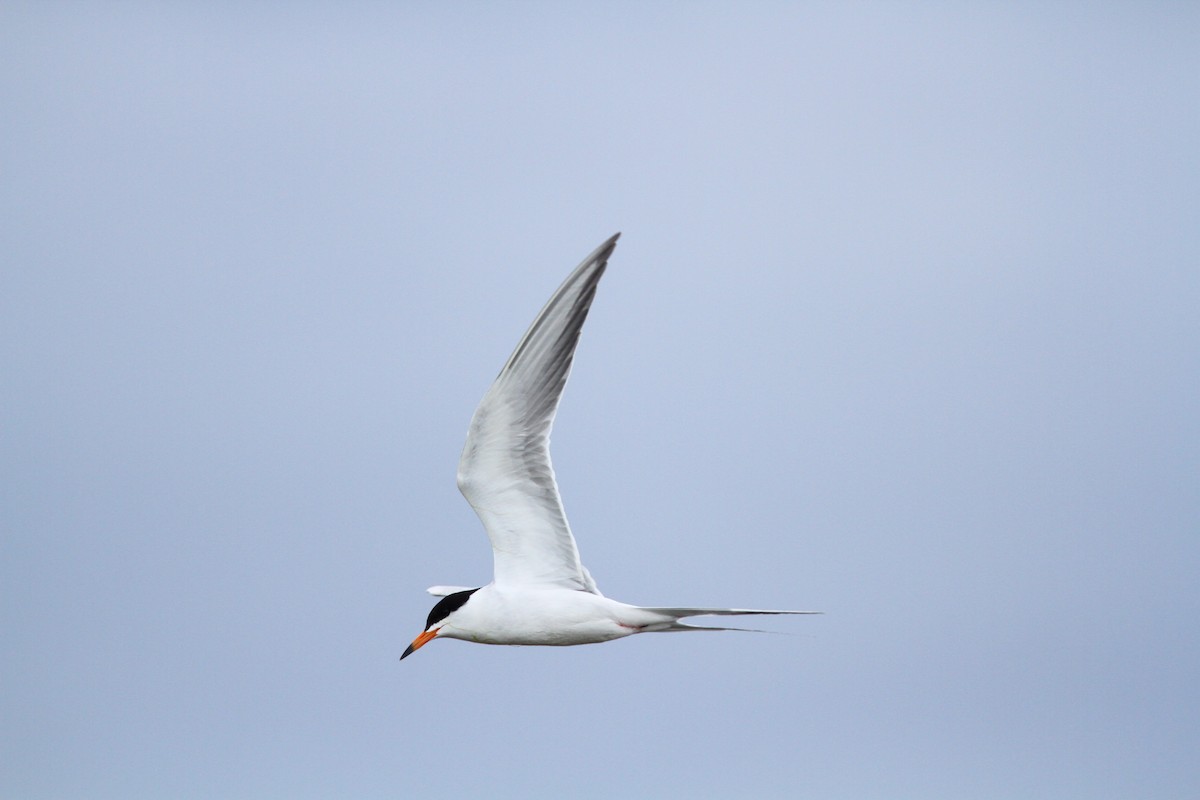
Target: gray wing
x: 505, y: 471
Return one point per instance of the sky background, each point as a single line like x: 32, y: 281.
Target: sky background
x: 902, y: 327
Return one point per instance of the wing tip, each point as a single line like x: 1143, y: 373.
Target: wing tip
x: 442, y: 591
x: 605, y: 250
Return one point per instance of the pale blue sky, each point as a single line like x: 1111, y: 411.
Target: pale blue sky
x: 903, y: 326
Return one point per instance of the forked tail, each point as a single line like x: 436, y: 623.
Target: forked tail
x: 681, y: 613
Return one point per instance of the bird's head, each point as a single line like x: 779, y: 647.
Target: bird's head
x: 438, y: 617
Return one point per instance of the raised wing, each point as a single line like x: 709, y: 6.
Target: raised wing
x: 505, y: 471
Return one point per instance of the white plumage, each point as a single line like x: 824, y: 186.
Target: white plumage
x: 541, y: 593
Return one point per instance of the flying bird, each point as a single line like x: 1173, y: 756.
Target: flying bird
x: 541, y: 594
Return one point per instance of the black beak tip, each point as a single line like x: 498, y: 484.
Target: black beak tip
x: 407, y: 652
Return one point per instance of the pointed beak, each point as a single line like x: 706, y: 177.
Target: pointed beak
x: 418, y: 643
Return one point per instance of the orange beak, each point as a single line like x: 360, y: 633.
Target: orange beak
x: 418, y: 643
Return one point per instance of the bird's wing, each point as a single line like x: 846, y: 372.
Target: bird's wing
x: 505, y: 471
x: 442, y: 591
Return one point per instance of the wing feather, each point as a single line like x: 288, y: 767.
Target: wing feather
x: 505, y: 471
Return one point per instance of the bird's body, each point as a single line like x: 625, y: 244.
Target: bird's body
x: 537, y: 615
x: 541, y: 593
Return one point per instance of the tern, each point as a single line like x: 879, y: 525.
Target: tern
x: 541, y: 594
